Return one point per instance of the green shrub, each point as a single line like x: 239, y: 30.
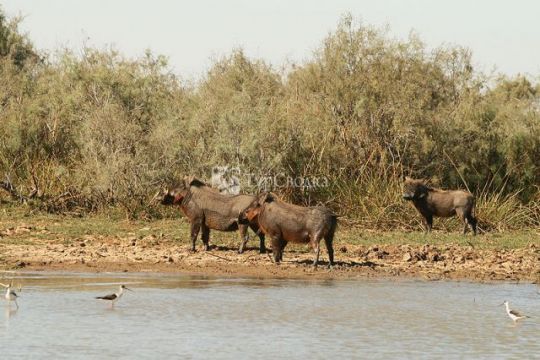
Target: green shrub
x: 97, y: 131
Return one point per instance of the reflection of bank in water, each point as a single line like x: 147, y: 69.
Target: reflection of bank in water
x: 225, y: 179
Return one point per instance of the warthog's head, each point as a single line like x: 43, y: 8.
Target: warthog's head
x: 255, y: 208
x: 173, y: 196
x: 414, y: 189
x: 176, y: 194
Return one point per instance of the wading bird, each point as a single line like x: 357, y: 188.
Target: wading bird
x: 513, y: 314
x: 10, y: 295
x: 114, y: 297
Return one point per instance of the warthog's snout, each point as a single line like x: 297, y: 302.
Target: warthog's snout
x: 251, y: 213
x: 168, y: 199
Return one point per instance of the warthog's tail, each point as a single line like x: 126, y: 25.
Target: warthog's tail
x: 329, y: 239
x: 471, y: 218
x: 333, y: 226
x: 473, y: 211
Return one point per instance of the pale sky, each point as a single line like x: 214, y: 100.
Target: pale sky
x: 501, y: 34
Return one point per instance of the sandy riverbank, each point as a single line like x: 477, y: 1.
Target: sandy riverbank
x: 152, y: 253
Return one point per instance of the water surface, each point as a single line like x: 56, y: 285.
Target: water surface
x: 204, y: 317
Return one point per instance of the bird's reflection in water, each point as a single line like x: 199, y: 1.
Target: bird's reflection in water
x: 9, y: 313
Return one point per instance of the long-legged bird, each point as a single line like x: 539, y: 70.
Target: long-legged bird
x: 114, y: 297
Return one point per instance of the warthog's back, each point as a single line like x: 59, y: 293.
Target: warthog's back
x: 445, y: 202
x: 301, y: 212
x: 220, y: 204
x: 454, y: 198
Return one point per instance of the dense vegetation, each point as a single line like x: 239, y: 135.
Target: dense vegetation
x: 93, y: 131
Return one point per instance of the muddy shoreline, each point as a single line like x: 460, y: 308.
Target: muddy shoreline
x: 152, y: 254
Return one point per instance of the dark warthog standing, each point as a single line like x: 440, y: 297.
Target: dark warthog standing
x: 207, y: 209
x: 443, y: 203
x: 285, y: 222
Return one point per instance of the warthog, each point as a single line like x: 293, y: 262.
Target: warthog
x: 443, y: 203
x: 285, y: 222
x: 207, y: 209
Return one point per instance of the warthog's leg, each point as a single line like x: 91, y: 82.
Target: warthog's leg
x: 244, y: 237
x: 472, y: 221
x: 460, y: 213
x: 468, y: 220
x: 205, y: 236
x: 428, y: 221
x: 195, y: 227
x: 315, y: 240
x: 281, y: 249
x: 277, y: 248
x: 330, y: 249
x: 317, y: 253
x: 260, y: 234
x: 262, y: 246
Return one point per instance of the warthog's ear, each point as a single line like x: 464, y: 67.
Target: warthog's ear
x: 193, y: 181
x: 187, y: 180
x: 268, y: 198
x: 264, y: 197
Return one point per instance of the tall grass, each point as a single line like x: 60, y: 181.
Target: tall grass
x: 375, y: 201
x: 498, y: 211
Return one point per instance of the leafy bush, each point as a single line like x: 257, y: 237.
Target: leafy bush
x: 93, y: 131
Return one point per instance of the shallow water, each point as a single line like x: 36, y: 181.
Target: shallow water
x: 202, y: 317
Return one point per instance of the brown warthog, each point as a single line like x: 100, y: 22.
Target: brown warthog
x: 285, y: 222
x: 207, y: 209
x: 443, y: 203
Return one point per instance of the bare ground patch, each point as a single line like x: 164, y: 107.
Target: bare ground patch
x: 40, y: 247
